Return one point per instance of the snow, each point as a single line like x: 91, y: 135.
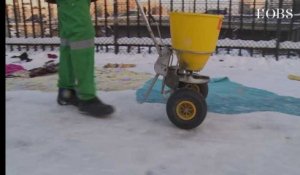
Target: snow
x: 289, y: 45
x: 45, y: 138
x: 52, y: 40
x: 247, y: 43
x: 38, y: 59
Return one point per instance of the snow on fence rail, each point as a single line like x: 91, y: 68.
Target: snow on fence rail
x: 52, y: 40
x: 148, y: 41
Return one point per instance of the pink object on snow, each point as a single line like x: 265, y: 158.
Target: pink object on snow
x: 12, y: 68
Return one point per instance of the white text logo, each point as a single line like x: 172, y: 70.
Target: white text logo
x: 275, y: 13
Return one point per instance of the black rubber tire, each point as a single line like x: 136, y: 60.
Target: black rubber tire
x: 185, y: 94
x: 203, y: 88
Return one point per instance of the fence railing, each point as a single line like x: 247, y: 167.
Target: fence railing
x: 118, y: 24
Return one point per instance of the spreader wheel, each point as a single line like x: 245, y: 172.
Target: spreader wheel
x: 186, y: 108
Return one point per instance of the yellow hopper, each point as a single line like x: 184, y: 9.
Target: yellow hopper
x: 194, y: 38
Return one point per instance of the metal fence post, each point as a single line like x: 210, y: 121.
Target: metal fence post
x: 253, y: 22
x: 24, y: 22
x: 16, y: 14
x: 50, y: 23
x: 6, y: 24
x: 41, y: 21
x: 160, y: 13
x: 229, y: 23
x: 241, y: 21
x: 291, y: 26
x: 106, y: 15
x: 33, y: 23
x: 278, y: 32
x: 138, y: 28
x: 116, y: 32
x: 96, y: 23
x: 127, y: 24
x: 265, y: 25
x: 24, y: 18
x: 8, y: 28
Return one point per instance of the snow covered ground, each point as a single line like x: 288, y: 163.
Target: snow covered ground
x: 43, y: 138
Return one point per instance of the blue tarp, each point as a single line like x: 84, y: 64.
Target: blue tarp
x: 227, y: 97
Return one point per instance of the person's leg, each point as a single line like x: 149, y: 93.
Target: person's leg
x: 66, y: 79
x: 82, y: 55
x: 77, y: 57
x: 76, y: 25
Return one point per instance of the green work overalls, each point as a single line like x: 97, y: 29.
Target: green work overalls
x: 76, y: 66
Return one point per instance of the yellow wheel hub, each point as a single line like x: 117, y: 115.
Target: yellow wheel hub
x: 186, y: 110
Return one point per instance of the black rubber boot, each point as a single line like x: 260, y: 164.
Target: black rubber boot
x: 67, y: 97
x: 95, y: 107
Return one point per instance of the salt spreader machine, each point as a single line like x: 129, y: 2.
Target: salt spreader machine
x: 194, y: 37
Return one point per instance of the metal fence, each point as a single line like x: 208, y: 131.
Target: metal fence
x: 118, y: 25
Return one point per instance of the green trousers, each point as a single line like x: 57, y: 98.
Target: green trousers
x: 76, y: 64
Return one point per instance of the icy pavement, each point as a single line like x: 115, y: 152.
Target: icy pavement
x: 43, y: 138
